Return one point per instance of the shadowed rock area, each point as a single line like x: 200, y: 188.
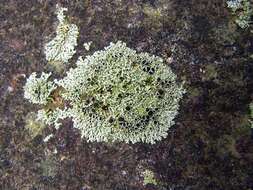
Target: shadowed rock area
x: 210, y: 146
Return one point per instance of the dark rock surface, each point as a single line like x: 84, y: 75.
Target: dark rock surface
x: 211, y: 145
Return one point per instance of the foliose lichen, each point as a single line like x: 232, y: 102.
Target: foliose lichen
x: 53, y: 116
x: 149, y: 177
x: 243, y: 11
x: 38, y: 89
x: 234, y: 4
x: 62, y: 47
x: 118, y: 94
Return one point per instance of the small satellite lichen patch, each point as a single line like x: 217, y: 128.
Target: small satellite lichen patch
x: 62, y: 47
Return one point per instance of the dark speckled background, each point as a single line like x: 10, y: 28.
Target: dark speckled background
x: 209, y: 148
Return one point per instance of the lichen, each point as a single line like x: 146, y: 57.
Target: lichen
x: 33, y: 126
x: 87, y: 45
x: 118, y: 94
x: 242, y: 9
x: 38, y: 89
x: 47, y: 138
x: 62, y: 47
x: 52, y: 117
x: 149, y: 177
x: 234, y: 4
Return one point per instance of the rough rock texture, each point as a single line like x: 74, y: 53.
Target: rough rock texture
x: 211, y: 145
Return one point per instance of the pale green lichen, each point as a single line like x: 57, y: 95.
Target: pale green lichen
x: 234, y: 4
x: 52, y: 117
x: 47, y: 138
x: 38, y: 89
x: 87, y: 45
x: 33, y: 127
x: 118, y: 94
x: 243, y: 11
x: 62, y: 47
x: 149, y: 177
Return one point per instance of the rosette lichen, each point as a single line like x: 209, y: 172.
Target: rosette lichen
x: 118, y: 94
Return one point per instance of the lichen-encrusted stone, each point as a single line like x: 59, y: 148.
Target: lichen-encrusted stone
x: 120, y: 95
